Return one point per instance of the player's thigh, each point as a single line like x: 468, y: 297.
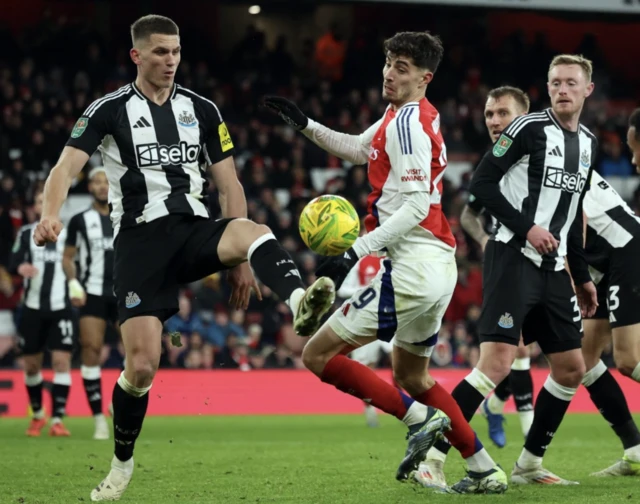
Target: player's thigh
x: 564, y: 331
x: 626, y: 346
x: 32, y: 338
x: 200, y: 256
x: 623, y: 289
x: 145, y: 269
x: 512, y: 285
x: 62, y: 331
x: 597, y: 335
x: 326, y: 344
x: 141, y: 337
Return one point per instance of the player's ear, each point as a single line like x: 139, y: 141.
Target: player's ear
x: 590, y: 87
x: 427, y: 77
x: 135, y: 55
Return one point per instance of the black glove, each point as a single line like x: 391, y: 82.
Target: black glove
x: 338, y: 267
x: 287, y: 110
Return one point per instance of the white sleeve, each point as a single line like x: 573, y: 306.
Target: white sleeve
x: 413, y: 211
x: 409, y: 149
x: 352, y: 148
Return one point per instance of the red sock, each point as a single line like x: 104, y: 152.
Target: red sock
x: 461, y: 435
x: 362, y: 382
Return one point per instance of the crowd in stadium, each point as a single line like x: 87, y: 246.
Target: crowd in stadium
x: 338, y: 83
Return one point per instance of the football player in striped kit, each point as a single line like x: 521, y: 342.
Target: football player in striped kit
x: 46, y: 321
x: 90, y: 242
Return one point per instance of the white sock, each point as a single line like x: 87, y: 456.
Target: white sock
x: 636, y: 373
x: 495, y: 404
x: 526, y: 419
x: 99, y: 417
x: 480, y: 461
x: 125, y: 467
x: 417, y: 413
x: 294, y: 300
x: 55, y: 420
x: 521, y: 364
x: 39, y: 415
x: 633, y: 453
x: 528, y: 460
x: 90, y: 372
x: 480, y: 381
x: 435, y: 454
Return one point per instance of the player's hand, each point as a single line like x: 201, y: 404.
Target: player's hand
x: 27, y: 270
x: 242, y: 281
x: 287, y: 110
x: 542, y: 240
x: 587, y: 298
x: 47, y: 231
x: 337, y: 267
x: 77, y: 295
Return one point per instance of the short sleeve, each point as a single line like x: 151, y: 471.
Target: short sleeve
x: 218, y: 144
x: 409, y: 149
x: 73, y: 229
x: 514, y: 143
x: 92, y: 126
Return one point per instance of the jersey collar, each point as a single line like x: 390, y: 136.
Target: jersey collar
x: 141, y: 95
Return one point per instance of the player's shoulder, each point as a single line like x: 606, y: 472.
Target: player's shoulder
x: 198, y: 100
x: 110, y: 101
x: 529, y: 124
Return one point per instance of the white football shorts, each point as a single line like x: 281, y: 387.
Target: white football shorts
x: 370, y: 353
x: 404, y: 302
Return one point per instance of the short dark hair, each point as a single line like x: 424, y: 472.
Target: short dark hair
x: 634, y: 121
x: 517, y: 94
x: 146, y: 26
x: 424, y: 48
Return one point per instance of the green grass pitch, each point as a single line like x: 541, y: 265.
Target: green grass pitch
x: 287, y: 459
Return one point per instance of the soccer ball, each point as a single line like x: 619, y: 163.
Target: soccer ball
x: 329, y: 225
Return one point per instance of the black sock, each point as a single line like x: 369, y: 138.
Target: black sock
x: 92, y: 379
x: 275, y: 268
x: 93, y: 389
x: 548, y: 415
x: 128, y: 415
x: 503, y: 390
x: 34, y: 389
x: 60, y: 393
x: 608, y: 397
x: 522, y: 388
x: 469, y: 399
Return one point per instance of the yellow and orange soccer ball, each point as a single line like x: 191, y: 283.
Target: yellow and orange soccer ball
x: 329, y: 225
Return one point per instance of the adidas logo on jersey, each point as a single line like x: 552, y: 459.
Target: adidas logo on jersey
x: 555, y: 152
x: 132, y: 300
x: 142, y: 123
x: 557, y: 178
x: 506, y: 321
x: 154, y: 154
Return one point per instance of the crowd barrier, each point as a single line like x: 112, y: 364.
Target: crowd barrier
x: 257, y: 392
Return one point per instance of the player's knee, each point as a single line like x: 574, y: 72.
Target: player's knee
x: 144, y: 369
x: 31, y: 368
x: 414, y: 384
x: 313, y: 361
x: 571, y: 374
x: 61, y: 363
x: 625, y: 363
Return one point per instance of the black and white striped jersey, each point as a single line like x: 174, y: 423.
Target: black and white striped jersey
x: 92, y: 234
x: 154, y: 155
x: 47, y: 291
x: 611, y: 224
x: 538, y: 173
